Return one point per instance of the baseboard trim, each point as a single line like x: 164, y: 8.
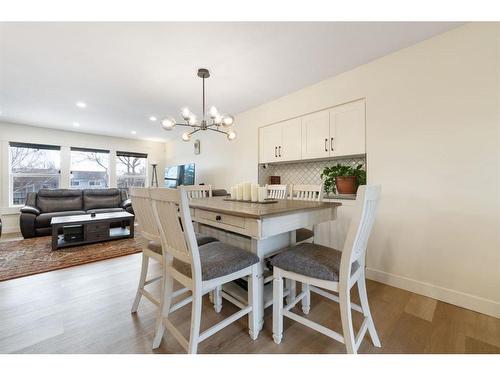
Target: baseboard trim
x: 454, y: 297
x: 11, y: 229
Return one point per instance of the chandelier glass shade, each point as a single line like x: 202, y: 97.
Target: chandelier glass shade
x: 220, y: 123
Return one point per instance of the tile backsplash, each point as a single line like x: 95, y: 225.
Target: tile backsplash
x: 303, y: 172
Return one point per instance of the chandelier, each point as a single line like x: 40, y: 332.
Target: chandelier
x: 217, y: 123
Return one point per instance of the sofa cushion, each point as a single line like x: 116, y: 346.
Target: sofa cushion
x: 311, y: 260
x: 105, y: 210
x: 101, y: 198
x: 218, y: 259
x: 58, y: 200
x: 43, y: 220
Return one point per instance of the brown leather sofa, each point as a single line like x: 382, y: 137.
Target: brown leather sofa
x: 41, y: 207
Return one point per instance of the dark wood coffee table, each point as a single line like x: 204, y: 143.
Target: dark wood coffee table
x: 93, y: 229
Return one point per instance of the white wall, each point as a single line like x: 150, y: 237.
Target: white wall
x: 30, y: 134
x: 432, y: 143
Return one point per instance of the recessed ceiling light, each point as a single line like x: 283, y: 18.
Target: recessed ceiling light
x: 76, y: 124
x: 133, y: 132
x: 152, y: 118
x: 81, y: 104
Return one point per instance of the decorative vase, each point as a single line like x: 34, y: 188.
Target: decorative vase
x: 346, y: 184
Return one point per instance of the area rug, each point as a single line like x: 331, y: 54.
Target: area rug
x: 34, y: 255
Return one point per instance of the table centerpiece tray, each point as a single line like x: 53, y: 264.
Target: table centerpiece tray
x: 266, y: 201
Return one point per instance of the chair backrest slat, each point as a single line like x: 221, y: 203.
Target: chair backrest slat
x: 361, y: 225
x: 306, y: 192
x: 143, y: 211
x: 173, y: 218
x: 276, y: 191
x: 198, y: 191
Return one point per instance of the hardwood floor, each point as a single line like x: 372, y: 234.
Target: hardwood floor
x: 86, y: 309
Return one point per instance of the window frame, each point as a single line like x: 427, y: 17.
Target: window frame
x: 135, y: 155
x: 90, y: 150
x: 12, y: 174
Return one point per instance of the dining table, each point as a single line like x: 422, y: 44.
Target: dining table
x: 265, y: 229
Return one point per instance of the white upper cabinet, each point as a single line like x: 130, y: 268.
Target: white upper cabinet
x: 316, y: 135
x: 291, y: 145
x: 338, y: 131
x: 347, y: 129
x: 280, y: 142
x: 269, y: 140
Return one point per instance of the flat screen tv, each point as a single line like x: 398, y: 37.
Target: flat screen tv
x: 179, y: 175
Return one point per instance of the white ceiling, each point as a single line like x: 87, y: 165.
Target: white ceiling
x: 126, y: 72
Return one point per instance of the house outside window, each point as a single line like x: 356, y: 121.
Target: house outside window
x: 89, y: 168
x: 32, y: 167
x: 131, y: 170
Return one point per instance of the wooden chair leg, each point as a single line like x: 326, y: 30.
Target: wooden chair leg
x: 346, y: 317
x: 195, y: 323
x: 277, y: 307
x: 253, y: 300
x: 291, y: 285
x: 306, y: 301
x: 217, y: 299
x: 363, y: 297
x: 163, y: 311
x: 142, y: 281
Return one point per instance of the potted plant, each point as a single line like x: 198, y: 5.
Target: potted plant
x: 343, y: 179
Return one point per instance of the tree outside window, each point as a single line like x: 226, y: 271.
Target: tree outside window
x: 131, y: 170
x: 32, y: 167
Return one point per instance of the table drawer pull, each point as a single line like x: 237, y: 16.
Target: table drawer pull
x: 235, y: 221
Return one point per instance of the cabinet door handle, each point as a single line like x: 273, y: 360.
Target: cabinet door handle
x: 276, y: 152
x: 331, y: 144
x: 218, y: 218
x: 326, y: 141
x: 279, y: 151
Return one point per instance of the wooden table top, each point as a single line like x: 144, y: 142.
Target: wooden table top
x: 256, y: 210
x: 79, y: 219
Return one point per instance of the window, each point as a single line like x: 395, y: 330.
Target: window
x: 32, y: 167
x: 89, y: 168
x: 131, y: 169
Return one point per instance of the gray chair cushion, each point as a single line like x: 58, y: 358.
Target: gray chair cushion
x: 303, y: 234
x: 311, y: 260
x: 43, y: 220
x: 202, y: 239
x: 155, y: 246
x: 219, y: 259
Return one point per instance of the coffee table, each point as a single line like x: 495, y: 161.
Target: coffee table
x: 94, y: 229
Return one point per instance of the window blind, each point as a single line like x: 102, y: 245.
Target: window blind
x: 34, y: 146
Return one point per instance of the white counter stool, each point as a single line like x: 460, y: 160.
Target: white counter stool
x: 198, y: 191
x: 321, y: 268
x: 306, y: 193
x: 143, y: 211
x: 276, y: 191
x: 199, y: 269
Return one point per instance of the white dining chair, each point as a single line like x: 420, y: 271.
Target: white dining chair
x: 306, y: 193
x: 143, y: 211
x: 198, y: 191
x: 141, y: 202
x: 320, y: 268
x: 198, y: 268
x: 276, y: 191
